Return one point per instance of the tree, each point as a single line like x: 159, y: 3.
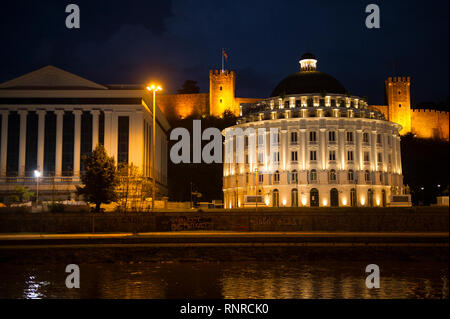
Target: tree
x: 99, y: 178
x: 134, y: 188
x: 189, y: 87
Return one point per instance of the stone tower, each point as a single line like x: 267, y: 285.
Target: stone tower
x: 222, y: 85
x: 399, y: 102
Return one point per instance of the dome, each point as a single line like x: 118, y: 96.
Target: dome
x: 308, y: 82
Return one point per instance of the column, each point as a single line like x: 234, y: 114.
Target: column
x: 283, y: 146
x: 59, y: 140
x: 77, y: 143
x: 323, y: 148
x: 22, y: 141
x: 95, y: 116
x: 136, y: 139
x: 303, y: 155
x: 41, y: 140
x: 373, y: 151
x: 341, y: 147
x: 107, y: 133
x: 4, y: 142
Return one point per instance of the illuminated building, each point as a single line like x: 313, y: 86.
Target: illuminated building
x: 50, y: 118
x: 329, y: 148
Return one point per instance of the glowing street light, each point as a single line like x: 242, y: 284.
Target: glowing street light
x: 153, y: 88
x: 37, y: 174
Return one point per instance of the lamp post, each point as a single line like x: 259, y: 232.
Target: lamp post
x: 37, y: 174
x: 153, y: 88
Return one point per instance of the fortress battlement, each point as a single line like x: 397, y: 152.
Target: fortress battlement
x: 399, y: 79
x: 220, y: 73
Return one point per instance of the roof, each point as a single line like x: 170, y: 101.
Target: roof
x: 308, y: 82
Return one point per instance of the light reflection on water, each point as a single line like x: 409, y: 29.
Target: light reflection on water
x: 310, y: 279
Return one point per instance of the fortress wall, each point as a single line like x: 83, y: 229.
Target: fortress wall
x: 183, y: 105
x: 430, y: 124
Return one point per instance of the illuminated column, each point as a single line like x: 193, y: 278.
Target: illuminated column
x: 284, y: 145
x: 115, y: 135
x: 77, y: 143
x: 341, y: 147
x: 136, y: 139
x: 41, y: 140
x: 358, y: 152
x: 59, y: 141
x: 107, y: 134
x: 95, y: 115
x: 385, y: 152
x: 373, y: 150
x: 323, y: 148
x: 398, y: 154
x: 4, y: 142
x: 303, y: 147
x: 22, y: 141
x: 394, y: 155
x: 268, y: 158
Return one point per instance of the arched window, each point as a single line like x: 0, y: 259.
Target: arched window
x: 314, y: 198
x: 276, y: 177
x: 294, y: 198
x: 367, y: 176
x: 294, y: 177
x: 350, y: 176
x: 334, y: 197
x: 313, y: 175
x: 332, y: 175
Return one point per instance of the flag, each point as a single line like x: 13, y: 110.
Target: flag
x: 225, y: 55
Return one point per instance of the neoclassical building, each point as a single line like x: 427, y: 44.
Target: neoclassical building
x: 314, y: 145
x: 50, y: 118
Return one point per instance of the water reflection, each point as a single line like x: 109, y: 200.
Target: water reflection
x: 332, y: 279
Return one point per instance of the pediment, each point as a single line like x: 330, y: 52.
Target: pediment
x: 51, y: 78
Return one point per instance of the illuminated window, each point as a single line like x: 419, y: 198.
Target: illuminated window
x: 276, y: 157
x: 366, y: 138
x: 366, y: 157
x: 350, y: 137
x: 367, y: 176
x: 294, y: 156
x: 313, y: 155
x: 294, y: 137
x: 276, y: 177
x: 332, y: 175
x: 350, y: 156
x: 332, y: 136
x: 294, y: 177
x: 332, y: 155
x: 350, y: 175
x: 313, y: 175
x: 313, y: 137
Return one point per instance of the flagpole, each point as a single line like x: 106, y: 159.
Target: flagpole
x: 222, y: 60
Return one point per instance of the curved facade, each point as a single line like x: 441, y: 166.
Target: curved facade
x: 311, y: 149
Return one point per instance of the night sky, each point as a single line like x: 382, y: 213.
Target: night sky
x: 173, y: 41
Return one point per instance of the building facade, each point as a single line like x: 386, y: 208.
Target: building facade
x: 311, y: 144
x: 50, y: 118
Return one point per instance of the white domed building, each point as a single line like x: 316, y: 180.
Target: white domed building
x: 312, y: 144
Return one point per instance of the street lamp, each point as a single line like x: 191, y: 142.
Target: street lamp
x: 153, y: 88
x: 37, y: 174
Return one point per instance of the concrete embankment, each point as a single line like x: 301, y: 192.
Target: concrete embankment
x: 417, y: 219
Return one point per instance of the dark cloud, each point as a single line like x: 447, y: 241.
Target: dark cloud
x: 136, y: 41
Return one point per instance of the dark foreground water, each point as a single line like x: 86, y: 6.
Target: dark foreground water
x: 309, y: 279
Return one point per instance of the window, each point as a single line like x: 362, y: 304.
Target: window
x: 260, y: 158
x: 246, y: 158
x: 260, y: 178
x: 350, y: 137
x: 221, y: 88
x: 294, y: 177
x: 332, y: 175
x: 123, y: 133
x: 366, y: 157
x: 220, y: 100
x: 297, y: 103
x: 312, y: 137
x: 381, y: 177
x: 313, y: 175
x: 389, y: 140
x: 380, y: 158
x: 245, y: 141
x: 294, y: 137
x: 246, y: 177
x: 276, y: 157
x: 294, y: 156
x: 332, y: 155
x: 286, y: 104
x: 366, y: 138
x: 276, y: 138
x: 379, y: 139
x: 332, y: 137
x: 260, y: 139
x: 389, y: 158
x: 350, y: 156
x: 313, y: 155
x: 367, y: 176
x: 350, y: 175
x: 276, y: 177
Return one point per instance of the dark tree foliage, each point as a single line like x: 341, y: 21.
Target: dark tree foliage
x: 189, y: 87
x: 206, y: 178
x: 425, y: 164
x: 99, y: 178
